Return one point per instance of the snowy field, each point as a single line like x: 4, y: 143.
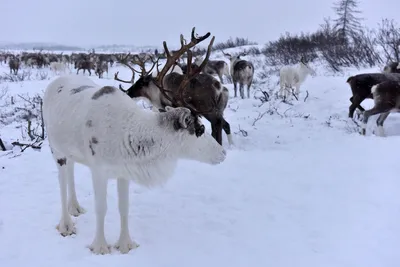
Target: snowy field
x: 300, y: 187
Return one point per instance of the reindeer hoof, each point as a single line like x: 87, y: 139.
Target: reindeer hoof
x: 200, y: 130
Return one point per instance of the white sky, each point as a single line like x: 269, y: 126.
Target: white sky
x: 139, y: 22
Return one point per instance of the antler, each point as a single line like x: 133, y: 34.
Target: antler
x: 226, y: 54
x: 179, y: 98
x: 137, y: 61
x: 142, y: 65
x: 124, y: 61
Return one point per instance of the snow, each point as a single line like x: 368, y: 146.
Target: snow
x: 302, y: 188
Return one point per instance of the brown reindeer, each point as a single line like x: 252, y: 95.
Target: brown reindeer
x: 101, y: 67
x: 14, y: 65
x: 242, y: 72
x: 201, y: 93
x: 84, y: 65
x: 361, y: 85
x: 386, y: 97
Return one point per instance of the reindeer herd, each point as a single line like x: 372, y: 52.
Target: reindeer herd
x: 208, y: 93
x: 114, y: 137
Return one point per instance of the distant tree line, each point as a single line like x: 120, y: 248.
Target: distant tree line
x: 341, y: 42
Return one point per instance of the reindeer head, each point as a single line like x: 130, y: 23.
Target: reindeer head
x: 305, y: 66
x: 234, y: 58
x: 147, y: 86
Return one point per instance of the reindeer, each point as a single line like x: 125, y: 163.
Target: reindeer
x: 201, y: 93
x: 101, y: 67
x: 361, y: 85
x: 14, y: 64
x: 84, y: 65
x: 242, y: 72
x: 214, y: 67
x: 58, y: 67
x: 291, y: 76
x: 386, y: 97
x: 393, y: 67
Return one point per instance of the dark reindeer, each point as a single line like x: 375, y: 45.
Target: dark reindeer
x: 386, y: 97
x: 361, y: 85
x: 201, y: 93
x: 14, y: 65
x: 84, y: 65
x: 393, y: 67
x: 101, y: 67
x: 242, y: 72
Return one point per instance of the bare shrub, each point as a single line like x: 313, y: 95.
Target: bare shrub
x: 24, y: 76
x: 388, y: 38
x: 231, y: 43
x: 26, y: 112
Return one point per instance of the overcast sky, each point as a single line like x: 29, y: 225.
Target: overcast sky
x: 139, y: 22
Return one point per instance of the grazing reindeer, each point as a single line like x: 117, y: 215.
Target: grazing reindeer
x: 393, y: 67
x: 84, y: 65
x: 202, y: 93
x: 386, y: 97
x: 291, y: 76
x: 242, y: 72
x: 361, y: 85
x: 214, y: 67
x: 14, y: 65
x: 101, y: 67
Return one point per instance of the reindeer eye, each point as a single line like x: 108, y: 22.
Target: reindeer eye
x: 188, y: 120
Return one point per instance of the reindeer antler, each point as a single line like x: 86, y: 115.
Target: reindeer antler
x: 124, y: 61
x: 179, y: 96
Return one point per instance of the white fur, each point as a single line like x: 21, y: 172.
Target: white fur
x: 293, y: 76
x: 58, y: 67
x: 373, y: 88
x: 132, y: 144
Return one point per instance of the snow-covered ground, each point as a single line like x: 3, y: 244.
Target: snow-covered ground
x: 300, y: 188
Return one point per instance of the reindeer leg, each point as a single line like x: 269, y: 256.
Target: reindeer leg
x: 227, y: 128
x: 248, y: 89
x: 218, y: 130
x: 379, y: 122
x: 73, y: 205
x: 355, y: 102
x: 241, y: 90
x: 213, y: 130
x: 220, y: 78
x: 124, y: 243
x: 373, y: 111
x: 235, y: 87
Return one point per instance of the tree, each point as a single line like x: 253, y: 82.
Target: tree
x: 388, y: 38
x: 347, y: 24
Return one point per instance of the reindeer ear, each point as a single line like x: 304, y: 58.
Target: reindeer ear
x: 168, y: 108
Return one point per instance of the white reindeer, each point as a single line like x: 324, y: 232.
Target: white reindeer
x: 102, y: 128
x: 58, y: 67
x: 293, y: 76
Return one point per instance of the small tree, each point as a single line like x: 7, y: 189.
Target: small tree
x: 347, y: 24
